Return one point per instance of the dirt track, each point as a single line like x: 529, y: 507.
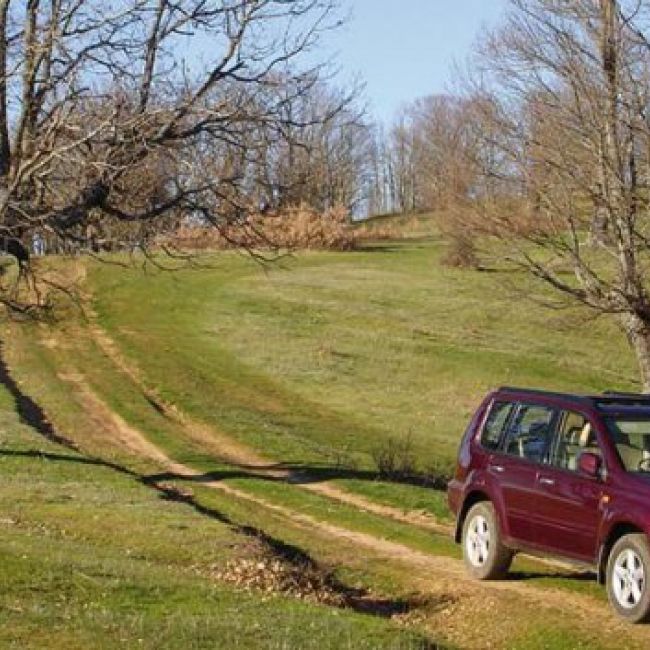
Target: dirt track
x: 428, y: 570
x: 442, y: 576
x: 238, y: 454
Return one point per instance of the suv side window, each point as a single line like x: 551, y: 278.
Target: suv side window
x: 575, y: 435
x: 530, y: 432
x: 495, y: 424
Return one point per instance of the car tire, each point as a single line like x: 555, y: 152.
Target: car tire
x: 485, y: 555
x: 628, y: 578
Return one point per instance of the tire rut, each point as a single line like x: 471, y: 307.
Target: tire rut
x: 223, y: 446
x: 243, y: 456
x: 446, y: 569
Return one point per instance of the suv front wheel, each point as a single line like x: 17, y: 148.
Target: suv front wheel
x: 485, y: 555
x: 628, y: 572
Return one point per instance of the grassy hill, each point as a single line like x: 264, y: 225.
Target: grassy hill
x: 232, y: 412
x: 326, y: 358
x: 92, y: 557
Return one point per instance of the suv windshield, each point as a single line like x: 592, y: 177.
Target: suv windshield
x: 632, y: 439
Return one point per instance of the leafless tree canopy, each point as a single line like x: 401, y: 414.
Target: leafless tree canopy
x: 548, y: 151
x: 562, y: 114
x: 117, y: 117
x: 422, y: 162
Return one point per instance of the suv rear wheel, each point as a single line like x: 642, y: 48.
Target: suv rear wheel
x: 628, y: 572
x: 485, y: 555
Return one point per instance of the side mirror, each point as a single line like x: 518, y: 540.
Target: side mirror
x: 590, y: 464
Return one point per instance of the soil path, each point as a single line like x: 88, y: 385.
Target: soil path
x: 430, y: 573
x: 424, y: 567
x: 236, y: 453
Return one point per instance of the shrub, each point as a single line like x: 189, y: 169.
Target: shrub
x: 462, y: 252
x: 295, y: 228
x: 437, y: 474
x: 395, y: 459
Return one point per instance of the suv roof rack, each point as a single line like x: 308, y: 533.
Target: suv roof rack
x: 608, y: 397
x: 545, y: 393
x: 619, y: 397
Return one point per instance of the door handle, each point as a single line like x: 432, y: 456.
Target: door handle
x: 498, y: 468
x: 546, y: 481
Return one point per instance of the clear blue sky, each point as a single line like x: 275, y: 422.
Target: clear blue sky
x: 404, y: 49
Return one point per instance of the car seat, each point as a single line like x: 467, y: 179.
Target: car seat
x: 629, y: 448
x: 571, y: 448
x: 586, y: 444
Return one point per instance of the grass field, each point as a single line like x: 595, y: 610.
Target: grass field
x: 337, y: 353
x: 91, y: 557
x: 309, y: 367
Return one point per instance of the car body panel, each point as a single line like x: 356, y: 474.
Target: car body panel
x: 568, y: 510
x: 545, y: 508
x: 513, y: 480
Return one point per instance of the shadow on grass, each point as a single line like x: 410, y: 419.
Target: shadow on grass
x: 356, y: 599
x: 394, y: 245
x: 504, y: 270
x: 576, y: 576
x: 82, y: 460
x: 29, y: 412
x: 301, y: 474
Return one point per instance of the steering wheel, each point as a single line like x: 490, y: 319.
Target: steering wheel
x: 644, y: 464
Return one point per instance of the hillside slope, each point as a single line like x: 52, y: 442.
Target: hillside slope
x: 96, y: 554
x: 337, y: 352
x: 256, y: 403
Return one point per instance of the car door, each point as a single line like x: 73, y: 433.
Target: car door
x: 568, y: 503
x: 516, y: 465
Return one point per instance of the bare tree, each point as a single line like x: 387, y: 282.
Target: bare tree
x: 106, y: 106
x: 443, y: 143
x: 320, y: 156
x: 422, y: 163
x: 562, y: 113
x: 404, y: 172
x: 377, y: 198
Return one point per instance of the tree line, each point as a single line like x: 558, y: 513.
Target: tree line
x: 544, y: 155
x: 119, y: 119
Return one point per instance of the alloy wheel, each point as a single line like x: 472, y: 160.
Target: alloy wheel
x: 478, y: 541
x: 628, y: 579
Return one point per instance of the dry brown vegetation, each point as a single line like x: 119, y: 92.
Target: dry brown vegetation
x: 295, y: 228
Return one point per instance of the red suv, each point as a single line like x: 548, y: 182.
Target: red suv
x: 563, y: 475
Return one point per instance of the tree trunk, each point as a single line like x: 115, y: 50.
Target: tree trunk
x: 638, y: 334
x: 609, y: 154
x: 599, y: 233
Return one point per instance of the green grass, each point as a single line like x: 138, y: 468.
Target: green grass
x: 327, y: 360
x: 329, y: 510
x: 316, y: 364
x: 554, y: 637
x: 63, y: 596
x: 90, y: 557
x: 406, y: 497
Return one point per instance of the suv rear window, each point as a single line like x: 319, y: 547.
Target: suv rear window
x: 495, y: 424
